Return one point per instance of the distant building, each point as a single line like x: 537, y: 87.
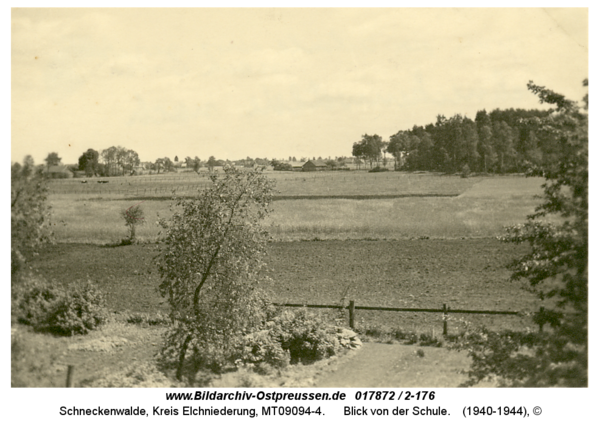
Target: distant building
x: 314, y: 166
x: 296, y: 165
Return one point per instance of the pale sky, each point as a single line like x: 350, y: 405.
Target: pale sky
x: 273, y: 82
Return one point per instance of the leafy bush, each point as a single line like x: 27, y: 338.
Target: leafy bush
x: 305, y: 335
x: 521, y: 359
x: 399, y: 334
x: 411, y: 339
x: 74, y: 309
x: 81, y: 310
x: 34, y: 300
x: 29, y: 213
x: 261, y: 347
x: 31, y: 361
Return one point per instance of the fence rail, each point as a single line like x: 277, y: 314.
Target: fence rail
x: 445, y: 310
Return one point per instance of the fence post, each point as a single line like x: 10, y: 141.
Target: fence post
x: 351, y: 313
x: 445, y: 314
x: 70, y: 375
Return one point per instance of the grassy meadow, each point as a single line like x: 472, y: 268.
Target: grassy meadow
x: 410, y: 206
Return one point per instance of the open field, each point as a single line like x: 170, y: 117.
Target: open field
x: 288, y: 184
x: 422, y: 207
x: 465, y: 274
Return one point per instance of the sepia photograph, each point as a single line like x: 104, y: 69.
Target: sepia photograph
x: 323, y: 198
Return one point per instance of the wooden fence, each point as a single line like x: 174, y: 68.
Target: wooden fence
x: 445, y: 310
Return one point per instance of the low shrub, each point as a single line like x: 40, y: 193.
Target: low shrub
x: 411, y: 339
x: 407, y: 336
x: 260, y: 348
x: 81, y: 310
x: 34, y: 300
x: 287, y: 337
x: 305, y: 335
x: 429, y: 340
x: 374, y: 331
x: 378, y: 169
x: 32, y: 361
x: 74, y: 309
x: 145, y: 319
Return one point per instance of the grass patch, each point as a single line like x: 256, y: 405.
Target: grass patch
x: 484, y: 207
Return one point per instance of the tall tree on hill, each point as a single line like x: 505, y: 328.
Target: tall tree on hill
x: 530, y: 151
x: 370, y: 148
x: 168, y: 164
x: 129, y: 160
x: 211, y: 163
x: 503, y: 139
x: 109, y: 156
x: 88, y: 162
x: 197, y: 164
x: 398, y: 146
x: 358, y: 152
x: 486, y: 147
x: 159, y: 164
x: 425, y: 161
x: 471, y: 144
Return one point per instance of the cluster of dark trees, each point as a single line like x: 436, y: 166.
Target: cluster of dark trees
x: 281, y: 165
x: 502, y: 141
x: 117, y: 161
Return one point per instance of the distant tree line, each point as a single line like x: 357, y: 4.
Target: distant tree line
x: 117, y: 161
x: 502, y: 141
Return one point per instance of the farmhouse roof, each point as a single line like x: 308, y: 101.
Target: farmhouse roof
x: 317, y: 163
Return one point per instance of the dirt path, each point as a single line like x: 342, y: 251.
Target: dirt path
x: 379, y: 365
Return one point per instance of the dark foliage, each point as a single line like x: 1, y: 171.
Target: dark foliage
x: 74, y: 309
x: 556, y: 266
x: 30, y: 213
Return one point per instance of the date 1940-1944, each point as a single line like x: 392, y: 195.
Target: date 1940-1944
x: 397, y: 411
